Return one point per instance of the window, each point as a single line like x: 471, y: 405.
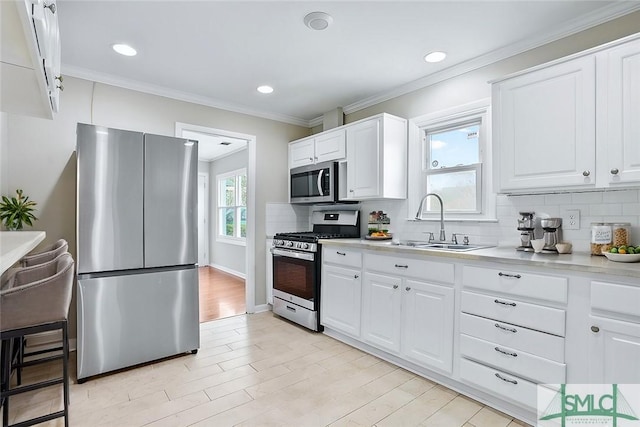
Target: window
x: 454, y: 158
x: 232, y: 205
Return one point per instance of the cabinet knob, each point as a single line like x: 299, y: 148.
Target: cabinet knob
x: 60, y: 78
x: 395, y: 286
x: 350, y: 191
x: 595, y: 329
x: 51, y: 7
x: 586, y: 173
x: 407, y: 288
x: 614, y: 171
x: 60, y: 87
x: 311, y: 158
x: 356, y: 276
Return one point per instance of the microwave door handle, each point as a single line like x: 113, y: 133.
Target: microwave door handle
x: 320, y: 182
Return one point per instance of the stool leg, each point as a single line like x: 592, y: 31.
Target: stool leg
x: 6, y: 372
x: 65, y: 371
x: 21, y: 344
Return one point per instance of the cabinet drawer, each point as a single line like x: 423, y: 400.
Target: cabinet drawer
x: 550, y: 288
x: 532, y: 316
x: 410, y: 267
x: 616, y: 298
x: 342, y: 256
x: 497, y: 382
x: 527, y: 365
x: 504, y: 334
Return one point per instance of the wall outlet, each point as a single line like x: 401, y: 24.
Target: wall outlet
x: 572, y: 220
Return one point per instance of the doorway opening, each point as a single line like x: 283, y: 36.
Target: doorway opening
x: 226, y: 220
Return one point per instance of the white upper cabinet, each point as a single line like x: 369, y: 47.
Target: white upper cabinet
x: 619, y: 113
x: 572, y: 124
x: 323, y: 147
x: 544, y: 134
x: 30, y: 58
x: 376, y: 165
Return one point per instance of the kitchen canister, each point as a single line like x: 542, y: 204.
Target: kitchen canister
x: 601, y: 238
x: 620, y: 233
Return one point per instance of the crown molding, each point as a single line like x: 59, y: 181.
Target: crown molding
x: 83, y: 73
x: 571, y: 27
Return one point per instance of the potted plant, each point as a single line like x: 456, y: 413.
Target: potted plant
x: 17, y: 211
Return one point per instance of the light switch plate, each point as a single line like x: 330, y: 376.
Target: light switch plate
x: 571, y: 220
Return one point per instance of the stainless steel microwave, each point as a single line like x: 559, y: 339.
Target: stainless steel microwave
x: 314, y: 183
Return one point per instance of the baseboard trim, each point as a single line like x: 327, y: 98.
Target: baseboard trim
x: 229, y: 271
x: 261, y: 308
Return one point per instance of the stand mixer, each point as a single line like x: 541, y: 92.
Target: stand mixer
x: 526, y: 225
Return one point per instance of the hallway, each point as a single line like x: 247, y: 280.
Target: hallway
x: 221, y: 294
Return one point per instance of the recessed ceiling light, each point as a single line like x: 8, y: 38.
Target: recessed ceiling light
x: 124, y: 49
x: 435, y: 56
x: 265, y: 89
x: 318, y: 20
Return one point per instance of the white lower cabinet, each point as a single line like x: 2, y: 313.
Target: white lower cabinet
x: 406, y: 316
x: 341, y: 290
x: 614, y: 341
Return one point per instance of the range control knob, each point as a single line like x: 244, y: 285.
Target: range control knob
x: 290, y: 244
x: 305, y: 246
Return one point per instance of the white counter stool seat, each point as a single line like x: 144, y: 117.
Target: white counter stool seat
x: 38, y: 301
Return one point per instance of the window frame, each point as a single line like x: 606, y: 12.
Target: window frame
x: 450, y: 119
x: 236, y: 239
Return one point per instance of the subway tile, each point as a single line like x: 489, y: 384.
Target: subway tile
x: 609, y: 209
x: 587, y: 198
x: 622, y: 196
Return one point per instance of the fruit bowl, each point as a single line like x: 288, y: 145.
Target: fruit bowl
x: 622, y: 257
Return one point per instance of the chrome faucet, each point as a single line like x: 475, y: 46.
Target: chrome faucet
x: 419, y: 213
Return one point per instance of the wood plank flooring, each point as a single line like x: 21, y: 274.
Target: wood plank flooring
x: 259, y: 370
x: 221, y: 294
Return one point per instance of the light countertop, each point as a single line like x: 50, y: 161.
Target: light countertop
x: 579, y: 261
x: 16, y: 244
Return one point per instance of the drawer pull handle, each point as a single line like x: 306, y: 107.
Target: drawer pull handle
x: 401, y: 266
x: 515, y: 276
x: 595, y: 329
x: 506, y: 379
x: 341, y: 253
x: 291, y: 308
x: 497, y: 301
x: 499, y: 326
x: 499, y: 350
x: 407, y: 289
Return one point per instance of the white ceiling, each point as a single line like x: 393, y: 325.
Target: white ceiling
x: 217, y: 52
x: 212, y: 147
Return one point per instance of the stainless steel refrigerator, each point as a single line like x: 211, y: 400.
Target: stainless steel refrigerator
x: 137, y: 291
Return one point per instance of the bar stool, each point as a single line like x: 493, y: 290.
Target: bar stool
x: 47, y: 254
x: 38, y: 301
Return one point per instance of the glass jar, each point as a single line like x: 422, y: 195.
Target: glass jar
x: 601, y: 238
x: 620, y: 233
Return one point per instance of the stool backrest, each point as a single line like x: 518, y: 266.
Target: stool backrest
x: 43, y: 300
x: 47, y: 254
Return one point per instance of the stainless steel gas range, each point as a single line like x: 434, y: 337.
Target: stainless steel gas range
x: 297, y: 264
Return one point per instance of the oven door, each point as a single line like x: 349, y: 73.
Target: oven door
x: 296, y: 277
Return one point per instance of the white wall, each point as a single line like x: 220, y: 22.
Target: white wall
x: 228, y: 257
x: 4, y: 160
x: 41, y: 158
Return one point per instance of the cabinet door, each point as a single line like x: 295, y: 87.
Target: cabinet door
x: 621, y: 113
x: 614, y: 356
x: 330, y: 146
x: 544, y: 127
x: 428, y: 324
x: 341, y: 295
x: 381, y: 299
x: 363, y: 159
x: 301, y: 153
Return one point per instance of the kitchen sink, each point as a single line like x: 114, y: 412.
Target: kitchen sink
x: 442, y: 246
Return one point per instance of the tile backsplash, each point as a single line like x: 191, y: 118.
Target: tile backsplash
x: 595, y: 206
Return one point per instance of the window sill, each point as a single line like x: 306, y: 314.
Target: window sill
x: 231, y: 241
x: 454, y: 219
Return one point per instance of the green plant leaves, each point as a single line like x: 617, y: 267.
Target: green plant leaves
x: 17, y: 211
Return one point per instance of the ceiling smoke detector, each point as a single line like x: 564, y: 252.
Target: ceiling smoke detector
x: 318, y: 20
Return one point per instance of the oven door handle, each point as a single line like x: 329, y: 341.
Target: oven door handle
x: 291, y: 254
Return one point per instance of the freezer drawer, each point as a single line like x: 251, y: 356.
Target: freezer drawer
x: 137, y: 318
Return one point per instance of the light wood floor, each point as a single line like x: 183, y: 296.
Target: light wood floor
x: 221, y: 294
x: 259, y: 370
